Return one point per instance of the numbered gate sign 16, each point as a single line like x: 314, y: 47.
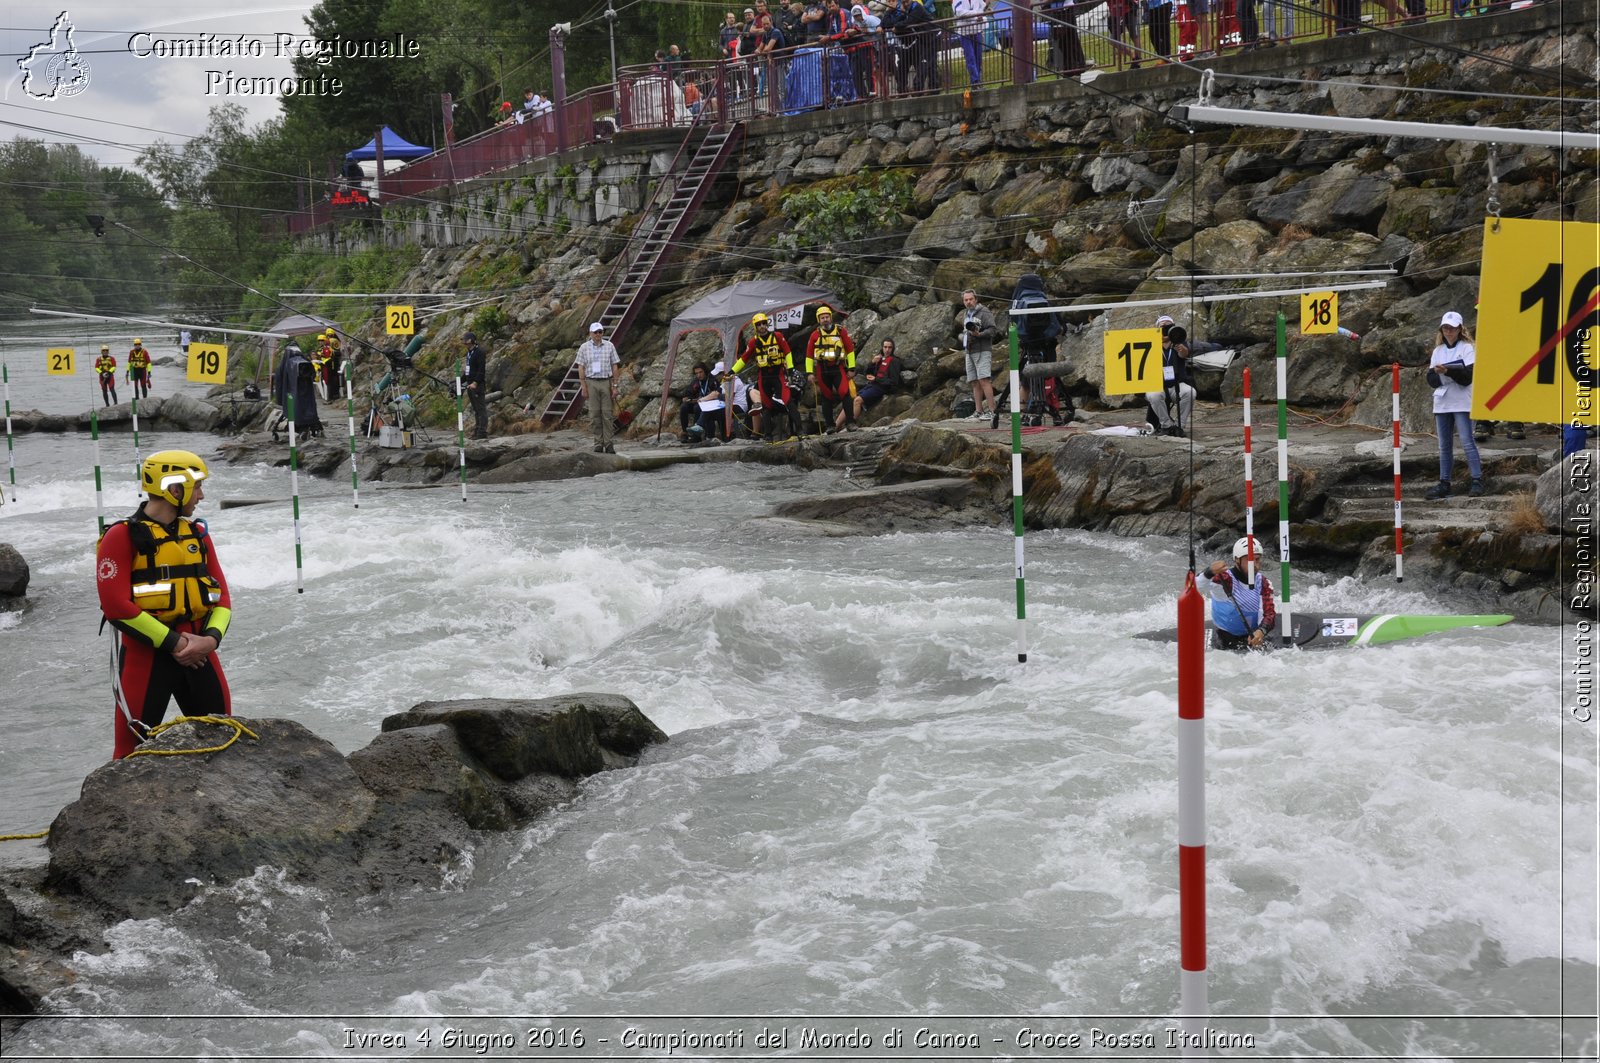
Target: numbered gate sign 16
x: 399, y: 320
x: 1538, y: 323
x: 208, y: 363
x: 60, y: 361
x: 1133, y: 361
x: 1319, y: 313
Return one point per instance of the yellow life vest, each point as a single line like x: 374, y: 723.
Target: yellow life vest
x: 138, y: 358
x: 768, y: 353
x: 829, y: 345
x: 171, y: 580
x: 105, y: 365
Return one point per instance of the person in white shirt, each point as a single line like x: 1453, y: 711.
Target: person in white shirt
x: 1450, y: 376
x: 601, y: 367
x: 969, y: 31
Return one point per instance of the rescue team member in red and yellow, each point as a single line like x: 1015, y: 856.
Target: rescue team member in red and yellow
x: 161, y: 586
x: 769, y: 352
x: 139, y: 369
x: 831, y: 362
x: 106, y: 366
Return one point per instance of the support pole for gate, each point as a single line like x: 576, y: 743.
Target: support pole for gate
x: 11, y: 459
x: 138, y: 461
x: 1249, y: 487
x: 99, y: 495
x: 294, y: 493
x: 350, y: 412
x: 461, y: 433
x: 1016, y: 492
x: 1285, y: 617
x: 1399, y: 570
x: 1193, y: 1007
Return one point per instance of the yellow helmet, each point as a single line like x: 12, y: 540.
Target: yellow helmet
x: 172, y: 475
x: 761, y: 319
x: 137, y: 341
x: 105, y: 348
x: 824, y: 309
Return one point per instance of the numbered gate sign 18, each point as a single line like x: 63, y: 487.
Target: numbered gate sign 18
x: 399, y: 320
x: 1538, y: 323
x: 1133, y: 361
x: 208, y: 363
x: 1319, y: 313
x: 61, y: 361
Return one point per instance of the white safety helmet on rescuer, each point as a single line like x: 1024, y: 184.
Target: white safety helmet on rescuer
x: 1246, y: 546
x: 172, y: 475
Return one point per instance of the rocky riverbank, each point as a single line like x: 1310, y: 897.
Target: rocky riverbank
x: 151, y: 833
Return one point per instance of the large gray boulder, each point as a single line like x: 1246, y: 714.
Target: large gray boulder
x: 1567, y: 495
x: 13, y: 572
x: 189, y: 414
x: 150, y: 832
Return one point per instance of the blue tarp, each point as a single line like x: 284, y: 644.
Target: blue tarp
x: 394, y: 147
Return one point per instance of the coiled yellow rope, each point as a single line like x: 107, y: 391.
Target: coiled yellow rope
x: 224, y: 721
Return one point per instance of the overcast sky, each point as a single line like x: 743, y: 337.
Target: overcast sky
x: 153, y: 98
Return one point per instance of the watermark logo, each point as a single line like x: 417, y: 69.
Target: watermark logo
x: 55, y: 69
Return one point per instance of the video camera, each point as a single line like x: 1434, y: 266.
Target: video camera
x: 398, y: 359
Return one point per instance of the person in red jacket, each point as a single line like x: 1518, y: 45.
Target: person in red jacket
x: 161, y: 586
x: 831, y: 362
x: 769, y: 352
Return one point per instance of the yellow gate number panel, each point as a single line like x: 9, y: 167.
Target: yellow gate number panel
x: 208, y: 363
x: 1133, y: 361
x: 60, y: 361
x: 1319, y: 313
x: 1538, y: 323
x: 400, y: 320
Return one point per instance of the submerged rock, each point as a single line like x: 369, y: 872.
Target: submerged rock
x: 13, y: 572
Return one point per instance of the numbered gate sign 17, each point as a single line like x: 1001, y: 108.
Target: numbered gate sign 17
x: 1134, y: 362
x: 61, y: 361
x: 1538, y: 323
x: 1319, y: 313
x: 399, y: 320
x: 208, y: 363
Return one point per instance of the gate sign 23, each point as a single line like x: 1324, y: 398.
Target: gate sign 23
x: 1538, y: 323
x: 208, y: 363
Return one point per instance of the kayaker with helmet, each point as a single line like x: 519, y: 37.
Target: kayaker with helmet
x: 161, y: 586
x: 1242, y: 607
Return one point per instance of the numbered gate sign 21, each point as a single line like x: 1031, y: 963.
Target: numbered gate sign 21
x: 1538, y: 323
x: 60, y: 361
x: 1319, y: 313
x: 399, y: 320
x: 208, y: 363
x: 1133, y: 361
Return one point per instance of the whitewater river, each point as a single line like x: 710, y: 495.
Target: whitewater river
x: 869, y: 816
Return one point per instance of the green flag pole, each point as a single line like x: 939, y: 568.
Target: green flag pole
x: 350, y: 412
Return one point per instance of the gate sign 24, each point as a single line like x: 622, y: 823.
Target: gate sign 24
x: 1538, y: 323
x: 208, y: 363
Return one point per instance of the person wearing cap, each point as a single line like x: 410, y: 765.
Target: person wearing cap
x: 601, y: 366
x: 106, y: 366
x: 475, y: 382
x: 1177, y: 385
x: 1450, y: 376
x: 831, y: 362
x: 1242, y: 609
x: 737, y: 394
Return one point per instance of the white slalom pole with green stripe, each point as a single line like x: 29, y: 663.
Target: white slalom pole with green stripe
x: 99, y: 493
x: 138, y: 461
x: 350, y: 412
x: 11, y: 459
x: 461, y: 432
x: 294, y: 493
x: 1285, y: 617
x: 1016, y: 493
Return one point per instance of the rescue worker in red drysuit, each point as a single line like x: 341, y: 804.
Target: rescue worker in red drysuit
x: 139, y: 369
x: 769, y: 352
x: 106, y: 366
x: 161, y: 586
x: 831, y: 362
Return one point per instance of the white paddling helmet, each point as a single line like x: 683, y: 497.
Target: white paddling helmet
x: 1245, y: 547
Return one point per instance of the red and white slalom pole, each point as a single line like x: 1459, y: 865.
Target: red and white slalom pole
x: 1399, y: 570
x: 1193, y: 1008
x: 1249, y: 486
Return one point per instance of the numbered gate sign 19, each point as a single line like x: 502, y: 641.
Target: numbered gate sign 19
x: 1319, y: 313
x: 208, y: 363
x: 61, y: 361
x: 1133, y: 361
x: 399, y: 320
x: 1538, y: 323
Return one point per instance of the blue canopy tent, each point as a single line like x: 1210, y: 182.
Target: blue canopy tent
x: 394, y: 147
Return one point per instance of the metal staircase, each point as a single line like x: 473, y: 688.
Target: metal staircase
x: 665, y: 221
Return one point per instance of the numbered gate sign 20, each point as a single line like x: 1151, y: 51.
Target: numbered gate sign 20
x: 1538, y: 323
x: 1133, y: 361
x: 208, y: 363
x: 1319, y: 313
x: 399, y: 320
x: 61, y: 361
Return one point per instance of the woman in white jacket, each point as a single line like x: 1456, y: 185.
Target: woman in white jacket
x: 1450, y: 376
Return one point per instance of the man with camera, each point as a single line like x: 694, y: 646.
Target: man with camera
x: 975, y: 330
x: 474, y: 380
